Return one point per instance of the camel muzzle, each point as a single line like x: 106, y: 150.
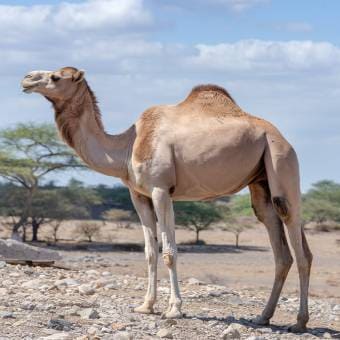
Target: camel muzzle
x: 32, y: 80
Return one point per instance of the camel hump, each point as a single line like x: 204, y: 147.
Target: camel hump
x: 209, y: 90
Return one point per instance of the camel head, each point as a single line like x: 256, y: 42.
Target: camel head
x: 55, y: 85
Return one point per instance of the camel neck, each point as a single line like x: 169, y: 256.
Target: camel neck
x: 80, y: 125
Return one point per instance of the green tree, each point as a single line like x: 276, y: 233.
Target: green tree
x: 197, y: 216
x: 28, y: 153
x: 322, y: 202
x: 240, y: 205
x: 237, y: 216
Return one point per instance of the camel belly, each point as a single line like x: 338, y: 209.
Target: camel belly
x: 221, y: 166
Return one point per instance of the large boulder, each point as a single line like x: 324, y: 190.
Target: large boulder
x: 12, y: 249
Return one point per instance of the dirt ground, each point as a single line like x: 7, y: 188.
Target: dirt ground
x: 235, y: 286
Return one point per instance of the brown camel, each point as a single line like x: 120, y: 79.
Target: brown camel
x: 202, y: 148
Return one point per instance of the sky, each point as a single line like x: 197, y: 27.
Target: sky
x: 280, y: 60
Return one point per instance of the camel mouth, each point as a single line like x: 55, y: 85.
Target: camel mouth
x: 28, y: 88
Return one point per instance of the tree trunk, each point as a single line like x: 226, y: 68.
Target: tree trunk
x: 15, y: 231
x: 197, y: 236
x: 237, y: 239
x: 35, y: 227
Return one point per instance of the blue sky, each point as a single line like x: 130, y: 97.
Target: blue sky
x: 279, y: 59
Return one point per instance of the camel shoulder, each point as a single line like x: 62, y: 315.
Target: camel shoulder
x: 146, y: 128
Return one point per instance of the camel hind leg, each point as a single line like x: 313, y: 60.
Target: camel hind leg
x: 283, y: 177
x: 265, y: 212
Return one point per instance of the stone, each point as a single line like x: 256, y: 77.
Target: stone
x: 327, y: 335
x: 67, y: 282
x: 92, y: 330
x: 2, y: 264
x: 3, y: 291
x: 122, y: 336
x: 59, y: 324
x: 86, y: 289
x: 32, y: 284
x: 57, y: 336
x: 6, y: 315
x: 118, y: 326
x: 232, y: 332
x: 193, y: 282
x: 88, y: 313
x: 13, y: 249
x: 165, y: 333
x: 168, y: 323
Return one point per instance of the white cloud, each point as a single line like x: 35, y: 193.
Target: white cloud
x: 94, y: 14
x: 233, y: 5
x: 39, y: 22
x: 239, y: 5
x: 270, y: 56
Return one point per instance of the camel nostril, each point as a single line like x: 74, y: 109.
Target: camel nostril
x: 28, y: 76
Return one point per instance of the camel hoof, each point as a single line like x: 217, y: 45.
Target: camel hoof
x: 297, y: 328
x: 143, y: 309
x: 172, y: 314
x: 260, y: 320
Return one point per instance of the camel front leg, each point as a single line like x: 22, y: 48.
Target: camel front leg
x: 144, y: 208
x: 165, y: 215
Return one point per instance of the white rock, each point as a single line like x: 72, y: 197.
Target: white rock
x: 106, y: 274
x: 122, y: 336
x: 194, y: 282
x: 2, y: 264
x: 88, y: 313
x: 92, y: 272
x: 67, y: 282
x: 165, y: 333
x: 32, y: 284
x: 86, y: 289
x: 3, y: 291
x: 57, y: 336
x: 232, y: 332
x: 92, y: 330
x: 19, y: 250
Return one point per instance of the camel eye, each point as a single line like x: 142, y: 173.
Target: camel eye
x: 55, y: 78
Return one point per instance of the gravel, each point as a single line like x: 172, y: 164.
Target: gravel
x: 93, y: 302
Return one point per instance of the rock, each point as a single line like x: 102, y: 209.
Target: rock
x: 327, y: 335
x: 168, y: 323
x: 12, y: 249
x: 165, y: 333
x: 57, y: 336
x: 6, y: 315
x: 92, y: 330
x: 118, y: 326
x: 2, y: 264
x: 86, y: 289
x: 89, y: 313
x: 3, y: 291
x: 32, y: 284
x: 232, y: 332
x: 193, y: 282
x: 59, y: 324
x: 106, y: 274
x: 122, y: 336
x: 67, y: 282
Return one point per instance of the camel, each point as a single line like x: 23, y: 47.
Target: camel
x: 202, y: 148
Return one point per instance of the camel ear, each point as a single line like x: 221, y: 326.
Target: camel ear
x: 78, y: 76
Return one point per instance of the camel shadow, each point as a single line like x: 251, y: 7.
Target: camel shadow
x: 277, y: 329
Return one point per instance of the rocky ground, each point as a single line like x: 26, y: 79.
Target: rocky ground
x: 94, y: 300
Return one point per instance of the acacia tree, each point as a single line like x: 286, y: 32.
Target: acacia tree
x: 28, y: 153
x: 197, y: 216
x: 236, y: 216
x: 322, y: 202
